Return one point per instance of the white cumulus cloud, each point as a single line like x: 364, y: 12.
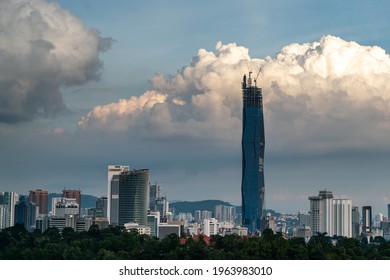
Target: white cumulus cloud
x: 43, y: 47
x: 318, y: 96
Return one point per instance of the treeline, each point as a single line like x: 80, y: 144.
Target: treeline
x: 112, y: 243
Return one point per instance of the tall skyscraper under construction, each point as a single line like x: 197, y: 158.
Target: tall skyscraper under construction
x: 252, y: 184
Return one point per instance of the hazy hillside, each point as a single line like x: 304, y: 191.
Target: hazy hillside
x: 192, y: 206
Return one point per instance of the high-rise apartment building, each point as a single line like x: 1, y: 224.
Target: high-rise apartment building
x: 39, y: 197
x: 101, y: 203
x: 321, y: 212
x: 225, y: 213
x: 133, y: 197
x: 113, y: 172
x: 388, y: 212
x: 154, y: 194
x: 342, y: 217
x: 10, y: 199
x: 355, y: 222
x: 253, y: 141
x: 366, y: 219
x: 3, y: 215
x: 303, y: 218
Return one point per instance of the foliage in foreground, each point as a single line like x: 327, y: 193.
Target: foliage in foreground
x: 114, y: 243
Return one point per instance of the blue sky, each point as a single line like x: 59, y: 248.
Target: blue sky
x: 150, y: 37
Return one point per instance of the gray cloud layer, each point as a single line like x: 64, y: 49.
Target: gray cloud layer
x: 43, y: 47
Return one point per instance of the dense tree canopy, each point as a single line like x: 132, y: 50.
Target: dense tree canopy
x: 16, y: 243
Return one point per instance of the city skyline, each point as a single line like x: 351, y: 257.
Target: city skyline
x: 79, y: 91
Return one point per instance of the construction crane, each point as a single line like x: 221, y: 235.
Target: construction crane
x: 258, y: 73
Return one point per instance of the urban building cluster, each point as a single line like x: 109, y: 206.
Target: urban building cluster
x: 33, y: 212
x: 338, y: 217
x: 135, y: 204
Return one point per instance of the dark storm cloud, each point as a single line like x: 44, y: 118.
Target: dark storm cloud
x: 43, y: 47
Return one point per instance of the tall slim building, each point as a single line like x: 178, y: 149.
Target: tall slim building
x: 388, y: 212
x: 253, y: 140
x: 10, y: 199
x: 133, y: 197
x: 113, y: 191
x: 3, y: 215
x: 154, y: 194
x: 39, y: 197
x: 102, y: 204
x: 355, y: 222
x: 366, y: 219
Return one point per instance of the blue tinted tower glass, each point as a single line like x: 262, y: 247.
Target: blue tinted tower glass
x: 252, y: 184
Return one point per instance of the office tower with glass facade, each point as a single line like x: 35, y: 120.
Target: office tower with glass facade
x: 253, y: 140
x: 39, y: 197
x: 25, y: 212
x: 133, y: 197
x: 113, y: 172
x: 101, y: 203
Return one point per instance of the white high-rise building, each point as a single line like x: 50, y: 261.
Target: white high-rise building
x: 9, y: 200
x: 342, y: 217
x: 113, y: 191
x: 330, y: 215
x: 3, y: 215
x: 321, y: 212
x: 210, y: 227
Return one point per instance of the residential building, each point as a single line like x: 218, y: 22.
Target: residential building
x: 10, y: 199
x: 342, y: 217
x: 154, y: 194
x: 355, y: 222
x: 321, y: 213
x: 225, y: 213
x: 39, y: 197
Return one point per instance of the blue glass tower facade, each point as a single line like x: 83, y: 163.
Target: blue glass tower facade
x: 252, y: 184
